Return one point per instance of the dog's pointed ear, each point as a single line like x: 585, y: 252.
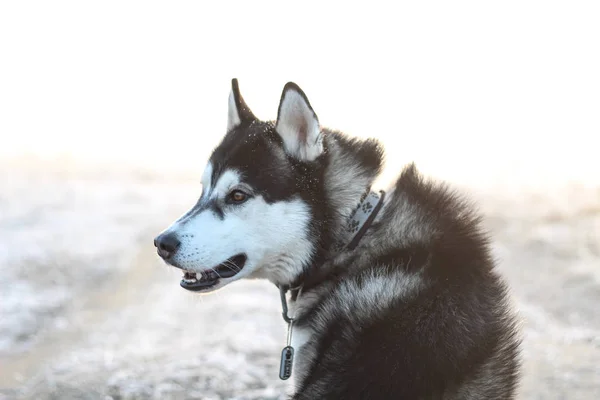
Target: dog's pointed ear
x: 298, y: 125
x: 238, y: 111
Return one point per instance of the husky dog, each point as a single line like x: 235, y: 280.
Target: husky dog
x: 393, y: 295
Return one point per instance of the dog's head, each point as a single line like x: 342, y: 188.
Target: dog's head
x: 264, y: 211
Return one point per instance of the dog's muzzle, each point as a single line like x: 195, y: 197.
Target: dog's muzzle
x: 167, y: 245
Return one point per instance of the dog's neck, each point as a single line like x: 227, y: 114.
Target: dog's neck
x: 352, y: 166
x: 344, y: 173
x: 355, y: 227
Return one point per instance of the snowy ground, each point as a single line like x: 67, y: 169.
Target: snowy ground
x: 88, y: 312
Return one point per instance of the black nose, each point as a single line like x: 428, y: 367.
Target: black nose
x: 167, y: 245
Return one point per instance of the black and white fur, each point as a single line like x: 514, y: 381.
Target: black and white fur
x: 416, y: 311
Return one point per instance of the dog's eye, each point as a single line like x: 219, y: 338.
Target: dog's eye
x: 236, y: 197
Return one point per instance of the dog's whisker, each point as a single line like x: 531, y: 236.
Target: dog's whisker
x: 231, y: 266
x: 215, y: 271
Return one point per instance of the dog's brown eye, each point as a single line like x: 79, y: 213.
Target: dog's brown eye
x: 237, y: 197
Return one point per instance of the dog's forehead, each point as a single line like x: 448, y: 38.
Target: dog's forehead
x: 254, y: 153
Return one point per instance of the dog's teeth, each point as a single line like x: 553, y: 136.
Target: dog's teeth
x: 189, y: 277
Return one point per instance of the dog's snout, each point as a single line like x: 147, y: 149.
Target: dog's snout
x: 166, y: 244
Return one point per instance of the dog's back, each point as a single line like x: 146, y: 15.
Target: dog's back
x: 415, y: 312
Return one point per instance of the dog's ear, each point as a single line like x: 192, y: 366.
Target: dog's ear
x: 298, y: 125
x: 238, y: 112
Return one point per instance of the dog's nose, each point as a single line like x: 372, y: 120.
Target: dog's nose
x: 167, y: 245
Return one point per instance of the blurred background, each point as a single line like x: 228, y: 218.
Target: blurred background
x: 108, y: 111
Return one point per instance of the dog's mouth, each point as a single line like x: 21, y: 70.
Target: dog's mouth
x: 196, y: 281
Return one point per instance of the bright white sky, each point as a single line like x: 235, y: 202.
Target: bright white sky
x: 479, y: 90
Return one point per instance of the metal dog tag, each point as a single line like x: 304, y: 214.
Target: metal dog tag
x: 287, y: 355
x: 287, y: 360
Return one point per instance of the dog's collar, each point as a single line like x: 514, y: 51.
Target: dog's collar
x: 360, y: 220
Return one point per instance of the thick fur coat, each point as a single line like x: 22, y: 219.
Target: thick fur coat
x: 415, y: 311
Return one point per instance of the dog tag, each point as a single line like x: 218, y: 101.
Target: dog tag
x: 287, y: 360
x: 287, y: 356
